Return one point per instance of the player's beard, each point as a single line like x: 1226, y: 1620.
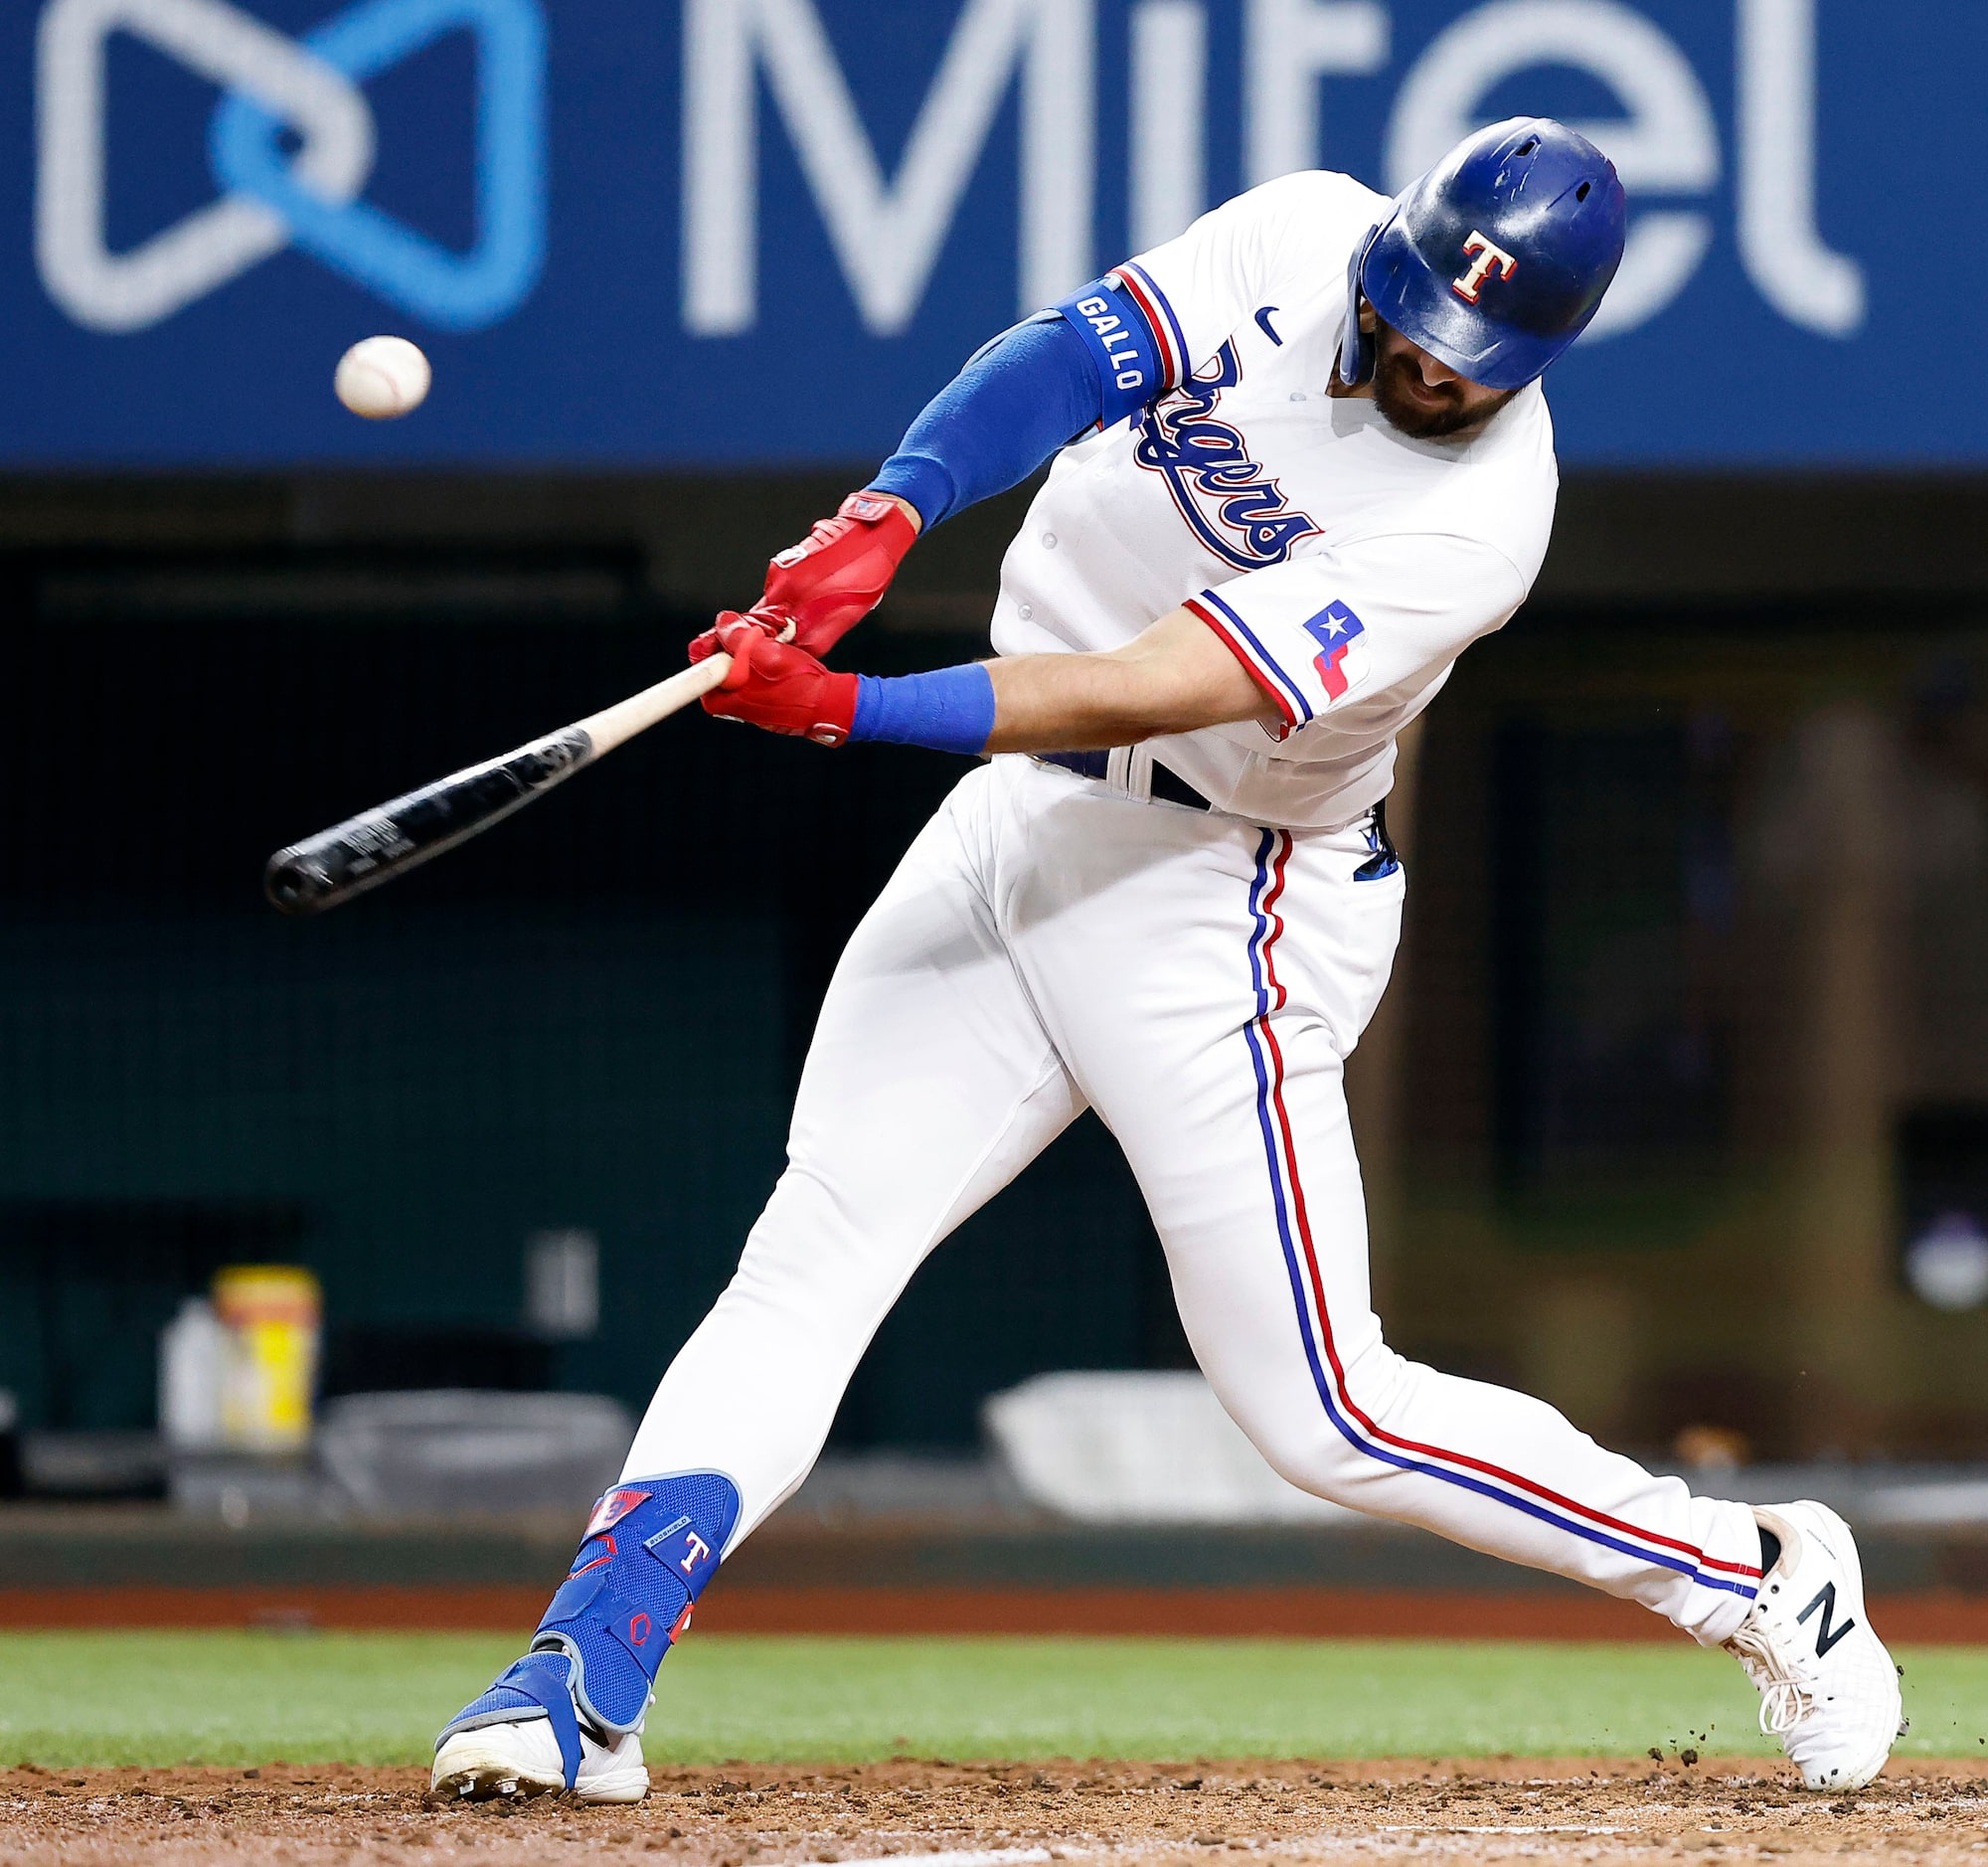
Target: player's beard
x: 1422, y: 410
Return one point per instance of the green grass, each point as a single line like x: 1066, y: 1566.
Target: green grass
x: 76, y: 1699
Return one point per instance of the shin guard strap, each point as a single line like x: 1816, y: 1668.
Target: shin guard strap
x: 537, y: 1683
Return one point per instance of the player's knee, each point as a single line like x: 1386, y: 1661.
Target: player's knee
x: 1323, y: 1448
x: 804, y: 1252
x: 1302, y: 1448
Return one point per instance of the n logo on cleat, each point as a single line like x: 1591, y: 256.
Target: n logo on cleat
x: 1826, y: 1635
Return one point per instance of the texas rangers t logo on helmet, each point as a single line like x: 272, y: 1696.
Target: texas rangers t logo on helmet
x: 1483, y: 257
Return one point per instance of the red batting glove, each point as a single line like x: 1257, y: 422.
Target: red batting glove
x: 776, y: 685
x: 838, y: 574
x: 823, y: 587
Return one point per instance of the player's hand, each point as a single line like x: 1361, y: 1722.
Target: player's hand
x: 774, y: 627
x: 838, y: 574
x: 774, y: 684
x: 828, y: 583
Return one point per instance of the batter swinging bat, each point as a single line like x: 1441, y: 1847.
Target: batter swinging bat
x: 377, y: 845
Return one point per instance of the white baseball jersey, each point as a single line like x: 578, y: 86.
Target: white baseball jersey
x: 1346, y: 564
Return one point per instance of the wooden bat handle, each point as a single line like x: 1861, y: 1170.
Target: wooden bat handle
x: 612, y: 724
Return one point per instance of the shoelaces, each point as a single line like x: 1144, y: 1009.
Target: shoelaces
x: 1785, y: 1697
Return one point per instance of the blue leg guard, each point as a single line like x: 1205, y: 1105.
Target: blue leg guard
x: 649, y: 1549
x: 539, y: 1685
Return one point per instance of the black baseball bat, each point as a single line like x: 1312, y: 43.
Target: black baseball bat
x: 379, y: 844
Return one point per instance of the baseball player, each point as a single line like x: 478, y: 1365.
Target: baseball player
x: 1302, y: 460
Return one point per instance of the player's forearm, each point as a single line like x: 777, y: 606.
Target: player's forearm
x: 1018, y: 402
x: 1082, y: 703
x: 1175, y: 678
x: 1090, y: 361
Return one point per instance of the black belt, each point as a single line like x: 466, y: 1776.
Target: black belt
x: 1096, y: 764
x: 1383, y: 860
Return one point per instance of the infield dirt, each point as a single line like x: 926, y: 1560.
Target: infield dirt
x: 1115, y: 1814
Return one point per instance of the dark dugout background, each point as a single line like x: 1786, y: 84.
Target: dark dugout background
x: 594, y: 1017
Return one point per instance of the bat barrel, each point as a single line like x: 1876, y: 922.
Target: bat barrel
x: 336, y: 864
x: 302, y: 879
x: 373, y: 847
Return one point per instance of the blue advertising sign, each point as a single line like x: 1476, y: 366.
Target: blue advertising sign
x: 726, y: 233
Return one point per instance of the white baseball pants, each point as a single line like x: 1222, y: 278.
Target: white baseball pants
x: 1049, y: 943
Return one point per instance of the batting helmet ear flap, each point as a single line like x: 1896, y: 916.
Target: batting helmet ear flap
x: 1355, y: 346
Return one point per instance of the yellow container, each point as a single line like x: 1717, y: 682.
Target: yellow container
x: 272, y: 1314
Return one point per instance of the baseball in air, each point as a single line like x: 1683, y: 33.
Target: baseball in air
x: 382, y: 378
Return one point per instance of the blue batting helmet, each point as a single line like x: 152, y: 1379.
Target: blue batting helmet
x: 1495, y: 260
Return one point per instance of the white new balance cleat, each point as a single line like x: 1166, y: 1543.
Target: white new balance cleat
x: 523, y: 1759
x: 1828, y: 1688
x: 524, y: 1737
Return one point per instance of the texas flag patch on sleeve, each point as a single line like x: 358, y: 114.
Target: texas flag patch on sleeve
x: 1342, y: 656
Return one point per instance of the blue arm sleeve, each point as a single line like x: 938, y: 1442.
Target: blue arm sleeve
x: 1021, y: 398
x: 949, y: 710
